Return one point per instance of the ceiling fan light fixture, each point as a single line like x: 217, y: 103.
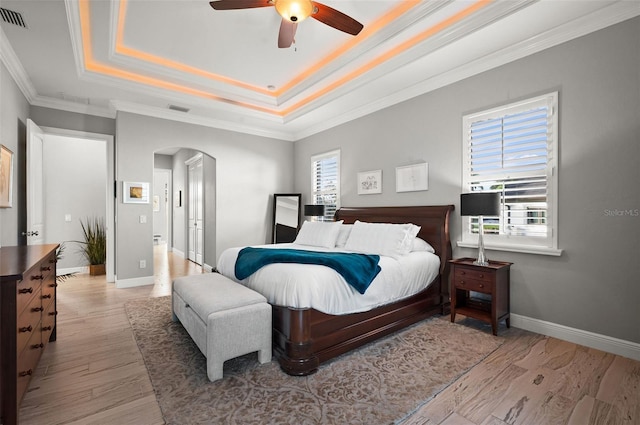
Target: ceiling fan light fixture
x: 294, y: 10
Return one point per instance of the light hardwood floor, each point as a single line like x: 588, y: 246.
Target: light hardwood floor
x: 94, y: 373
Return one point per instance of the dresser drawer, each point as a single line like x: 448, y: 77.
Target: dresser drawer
x: 48, y: 292
x: 29, y: 322
x: 48, y: 322
x: 27, y: 289
x: 27, y: 362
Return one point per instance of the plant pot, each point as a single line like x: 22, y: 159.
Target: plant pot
x: 97, y: 269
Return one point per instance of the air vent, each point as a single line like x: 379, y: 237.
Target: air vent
x: 178, y: 108
x: 11, y: 17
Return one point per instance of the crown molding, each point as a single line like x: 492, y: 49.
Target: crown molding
x: 15, y: 68
x: 199, y: 120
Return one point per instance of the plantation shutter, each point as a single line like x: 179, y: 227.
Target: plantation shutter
x: 325, y: 170
x: 510, y: 150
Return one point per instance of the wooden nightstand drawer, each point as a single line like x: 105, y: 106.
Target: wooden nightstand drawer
x: 474, y: 285
x: 463, y: 273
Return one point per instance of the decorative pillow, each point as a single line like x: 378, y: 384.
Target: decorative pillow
x: 391, y: 240
x: 343, y: 235
x: 421, y: 245
x: 319, y: 233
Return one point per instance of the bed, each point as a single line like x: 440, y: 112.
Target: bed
x: 304, y: 337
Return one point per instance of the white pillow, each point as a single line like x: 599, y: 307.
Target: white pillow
x: 422, y: 245
x: 343, y: 235
x: 319, y: 233
x: 391, y: 240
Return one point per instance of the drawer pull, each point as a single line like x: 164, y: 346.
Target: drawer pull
x: 37, y: 277
x: 25, y: 291
x: 53, y: 285
x: 46, y: 328
x: 481, y: 275
x: 481, y: 285
x: 46, y: 268
x: 25, y: 329
x: 37, y: 309
x: 53, y: 313
x: 26, y: 373
x: 462, y: 282
x: 462, y: 272
x: 36, y: 346
x: 44, y: 297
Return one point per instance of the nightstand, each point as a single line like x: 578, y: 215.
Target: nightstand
x: 468, y: 279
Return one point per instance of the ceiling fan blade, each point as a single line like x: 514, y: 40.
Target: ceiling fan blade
x: 336, y: 19
x: 287, y: 33
x: 239, y: 4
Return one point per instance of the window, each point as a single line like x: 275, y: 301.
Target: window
x: 512, y: 150
x: 325, y: 182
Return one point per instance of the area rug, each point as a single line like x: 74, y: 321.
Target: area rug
x: 380, y: 383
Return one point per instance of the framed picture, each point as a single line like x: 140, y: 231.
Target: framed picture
x: 135, y: 193
x: 370, y: 182
x: 6, y: 177
x: 411, y: 178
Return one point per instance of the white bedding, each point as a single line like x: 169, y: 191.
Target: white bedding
x: 321, y: 288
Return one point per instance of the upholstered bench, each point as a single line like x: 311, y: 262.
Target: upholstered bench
x: 224, y: 319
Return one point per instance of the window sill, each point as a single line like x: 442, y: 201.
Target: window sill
x: 526, y: 249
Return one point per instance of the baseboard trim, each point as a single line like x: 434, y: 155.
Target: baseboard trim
x: 137, y: 281
x: 207, y: 268
x: 178, y: 252
x: 69, y: 270
x: 598, y: 341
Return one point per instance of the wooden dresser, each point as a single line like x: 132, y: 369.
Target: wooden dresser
x: 28, y: 319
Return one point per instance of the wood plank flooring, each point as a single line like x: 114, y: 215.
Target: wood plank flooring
x: 94, y: 373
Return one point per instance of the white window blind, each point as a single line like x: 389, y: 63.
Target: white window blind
x: 325, y: 182
x: 512, y: 150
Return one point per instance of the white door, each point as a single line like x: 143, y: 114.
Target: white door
x: 196, y: 211
x: 35, y: 185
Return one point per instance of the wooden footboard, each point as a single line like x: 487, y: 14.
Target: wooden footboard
x: 305, y: 338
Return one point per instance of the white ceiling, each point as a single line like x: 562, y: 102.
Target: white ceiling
x: 142, y: 56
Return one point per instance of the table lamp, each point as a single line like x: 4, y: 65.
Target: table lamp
x: 480, y: 204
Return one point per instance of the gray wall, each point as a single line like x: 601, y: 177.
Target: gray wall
x: 14, y: 111
x: 249, y: 169
x: 75, y: 173
x: 593, y: 286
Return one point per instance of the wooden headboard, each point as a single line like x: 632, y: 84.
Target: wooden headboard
x: 433, y: 222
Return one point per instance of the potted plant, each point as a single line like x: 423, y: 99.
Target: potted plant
x: 94, y: 246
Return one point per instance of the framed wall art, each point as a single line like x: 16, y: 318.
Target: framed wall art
x: 135, y: 193
x: 370, y: 182
x: 411, y: 178
x: 6, y: 177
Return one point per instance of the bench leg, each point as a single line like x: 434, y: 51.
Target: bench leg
x: 235, y: 332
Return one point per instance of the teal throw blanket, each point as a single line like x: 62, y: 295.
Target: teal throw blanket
x: 358, y: 270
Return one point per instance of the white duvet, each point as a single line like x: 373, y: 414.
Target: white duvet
x: 322, y: 288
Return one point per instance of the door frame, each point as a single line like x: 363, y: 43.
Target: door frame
x: 110, y: 213
x: 199, y: 157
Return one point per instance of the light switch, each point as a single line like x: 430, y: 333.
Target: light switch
x: 143, y: 219
x: 67, y: 218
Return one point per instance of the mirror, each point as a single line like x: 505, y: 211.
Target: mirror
x: 286, y: 217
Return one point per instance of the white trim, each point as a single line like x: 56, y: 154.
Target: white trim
x: 136, y: 281
x: 72, y: 270
x: 525, y: 249
x: 207, y: 268
x: 609, y: 344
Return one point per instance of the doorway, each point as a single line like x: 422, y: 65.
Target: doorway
x: 64, y: 203
x: 195, y: 209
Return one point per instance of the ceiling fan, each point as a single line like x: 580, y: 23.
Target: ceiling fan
x: 294, y: 11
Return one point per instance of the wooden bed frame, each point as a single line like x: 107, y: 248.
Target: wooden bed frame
x: 305, y: 338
